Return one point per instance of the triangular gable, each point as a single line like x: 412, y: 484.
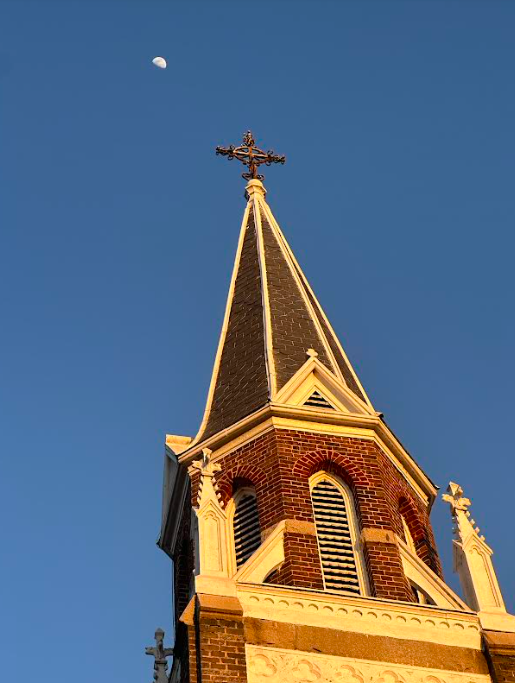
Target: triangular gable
x: 313, y: 378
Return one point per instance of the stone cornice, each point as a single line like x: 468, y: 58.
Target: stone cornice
x: 312, y: 420
x: 407, y: 621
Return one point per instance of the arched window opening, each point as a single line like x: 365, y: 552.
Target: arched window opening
x: 407, y: 535
x: 420, y: 595
x: 336, y: 528
x: 246, y: 529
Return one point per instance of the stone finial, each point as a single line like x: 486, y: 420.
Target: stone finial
x: 473, y: 563
x: 160, y: 653
x: 311, y: 353
x: 454, y: 497
x: 212, y: 546
x: 465, y: 526
x: 207, y: 469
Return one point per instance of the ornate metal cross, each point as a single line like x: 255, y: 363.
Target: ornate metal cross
x: 251, y: 156
x: 160, y: 654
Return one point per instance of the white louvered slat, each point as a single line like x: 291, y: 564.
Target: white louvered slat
x: 247, y: 532
x: 334, y: 538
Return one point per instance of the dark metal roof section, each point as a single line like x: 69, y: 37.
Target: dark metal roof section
x: 292, y: 324
x: 242, y: 384
x: 272, y: 320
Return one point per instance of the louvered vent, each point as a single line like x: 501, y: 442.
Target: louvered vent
x: 316, y: 400
x: 247, y: 533
x: 334, y: 538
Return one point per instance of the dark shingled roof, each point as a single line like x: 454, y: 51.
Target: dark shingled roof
x: 249, y: 368
x: 292, y: 324
x: 242, y: 384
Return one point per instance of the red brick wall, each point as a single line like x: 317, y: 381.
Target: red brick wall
x: 421, y: 533
x: 503, y: 668
x: 500, y: 651
x: 222, y: 650
x: 279, y: 465
x: 189, y: 671
x: 301, y: 567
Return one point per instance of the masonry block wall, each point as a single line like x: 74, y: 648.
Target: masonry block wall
x: 279, y: 464
x: 500, y: 650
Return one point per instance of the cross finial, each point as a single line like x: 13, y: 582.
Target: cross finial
x: 205, y: 465
x: 454, y: 497
x: 160, y: 654
x: 251, y: 156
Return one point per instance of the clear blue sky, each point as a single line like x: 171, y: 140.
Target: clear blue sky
x: 118, y: 232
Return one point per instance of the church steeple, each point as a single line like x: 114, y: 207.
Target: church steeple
x: 272, y: 319
x: 297, y: 522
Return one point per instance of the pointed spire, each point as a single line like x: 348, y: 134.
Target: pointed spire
x: 473, y: 563
x: 272, y: 321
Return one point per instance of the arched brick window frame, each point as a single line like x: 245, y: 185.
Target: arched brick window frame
x: 419, y: 530
x: 243, y: 526
x: 238, y: 477
x: 344, y: 513
x: 338, y: 464
x: 235, y: 484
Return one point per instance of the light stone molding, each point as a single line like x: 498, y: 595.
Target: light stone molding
x: 336, y: 423
x: 178, y: 444
x: 276, y: 665
x: 473, y: 563
x: 375, y: 535
x: 407, y: 621
x: 424, y: 578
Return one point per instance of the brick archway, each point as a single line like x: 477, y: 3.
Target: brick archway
x: 418, y: 528
x: 333, y: 462
x: 237, y: 476
x: 339, y: 464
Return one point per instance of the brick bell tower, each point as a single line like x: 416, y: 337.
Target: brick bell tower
x: 297, y: 522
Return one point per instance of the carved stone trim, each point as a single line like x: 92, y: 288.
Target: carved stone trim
x: 275, y: 665
x: 361, y: 615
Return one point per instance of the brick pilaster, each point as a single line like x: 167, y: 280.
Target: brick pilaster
x: 220, y: 639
